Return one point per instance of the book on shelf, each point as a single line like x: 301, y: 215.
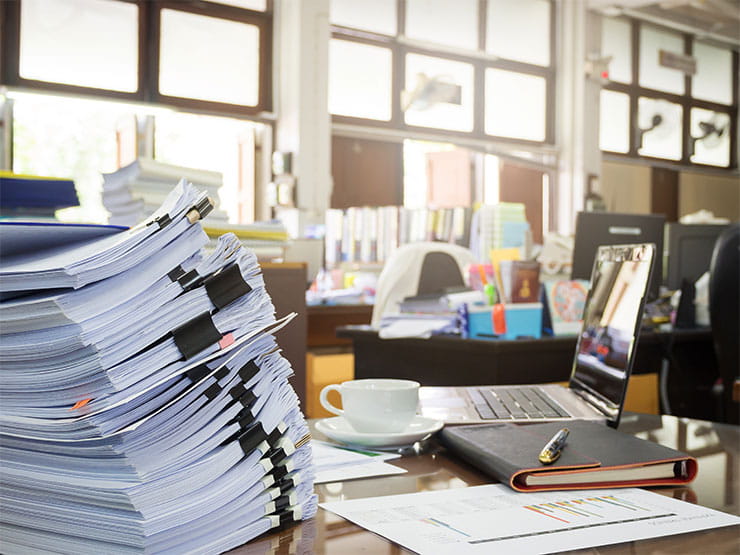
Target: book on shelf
x: 371, y: 234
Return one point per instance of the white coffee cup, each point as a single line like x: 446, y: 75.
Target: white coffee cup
x: 375, y: 405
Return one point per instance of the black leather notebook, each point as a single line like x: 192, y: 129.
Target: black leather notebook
x: 595, y: 456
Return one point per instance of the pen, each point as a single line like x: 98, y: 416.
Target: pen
x: 554, y: 447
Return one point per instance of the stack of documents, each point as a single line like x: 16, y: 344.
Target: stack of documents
x: 133, y: 192
x: 144, y: 402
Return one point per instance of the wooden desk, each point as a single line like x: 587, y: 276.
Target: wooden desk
x: 323, y: 321
x: 717, y: 486
x: 455, y: 361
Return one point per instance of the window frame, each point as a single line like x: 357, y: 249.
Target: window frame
x: 148, y: 58
x: 634, y: 91
x: 478, y: 59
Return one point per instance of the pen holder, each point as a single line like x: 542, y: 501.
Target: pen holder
x: 508, y: 321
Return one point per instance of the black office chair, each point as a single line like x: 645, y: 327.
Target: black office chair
x: 724, y: 314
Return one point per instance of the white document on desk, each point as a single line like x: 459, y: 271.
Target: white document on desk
x: 493, y: 518
x: 335, y: 464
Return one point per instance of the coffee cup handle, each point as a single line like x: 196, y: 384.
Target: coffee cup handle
x: 325, y: 401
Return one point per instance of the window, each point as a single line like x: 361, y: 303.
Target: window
x: 193, y: 65
x: 659, y: 123
x: 653, y: 75
x: 377, y: 16
x: 439, y: 94
x: 444, y: 22
x: 519, y: 30
x: 88, y: 43
x: 713, y: 79
x: 515, y: 105
x: 710, y: 137
x: 359, y: 80
x: 159, y: 52
x: 616, y: 42
x: 439, y: 64
x: 679, y: 79
x: 614, y: 121
x: 159, y: 55
x: 80, y: 139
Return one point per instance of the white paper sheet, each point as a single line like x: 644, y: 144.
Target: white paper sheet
x: 335, y: 463
x: 493, y: 518
x: 354, y: 472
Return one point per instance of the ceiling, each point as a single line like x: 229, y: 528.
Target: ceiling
x: 715, y: 19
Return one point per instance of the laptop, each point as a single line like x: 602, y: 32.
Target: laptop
x: 601, y: 366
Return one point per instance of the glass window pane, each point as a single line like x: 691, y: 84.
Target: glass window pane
x: 193, y: 65
x: 448, y: 22
x: 519, y: 30
x: 360, y: 80
x: 711, y: 134
x: 713, y: 78
x: 73, y: 138
x: 89, y: 43
x: 614, y: 124
x: 515, y: 105
x: 257, y: 5
x: 205, y: 142
x: 616, y: 41
x: 652, y: 74
x: 378, y: 16
x: 660, y: 124
x: 439, y: 93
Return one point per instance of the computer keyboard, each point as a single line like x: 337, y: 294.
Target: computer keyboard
x: 514, y: 403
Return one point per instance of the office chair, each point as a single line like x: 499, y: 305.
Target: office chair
x: 418, y: 269
x: 724, y: 315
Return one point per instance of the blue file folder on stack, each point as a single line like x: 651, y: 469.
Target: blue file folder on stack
x: 28, y: 195
x: 144, y: 403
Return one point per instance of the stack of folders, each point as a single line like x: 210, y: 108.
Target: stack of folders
x: 144, y: 403
x: 131, y: 193
x: 26, y: 196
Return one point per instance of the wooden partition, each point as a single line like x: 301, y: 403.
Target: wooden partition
x: 286, y: 284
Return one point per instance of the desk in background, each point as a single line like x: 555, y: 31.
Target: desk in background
x: 454, y: 361
x: 717, y: 486
x: 323, y: 321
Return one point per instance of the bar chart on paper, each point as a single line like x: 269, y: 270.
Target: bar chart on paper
x: 487, y: 518
x: 582, y: 513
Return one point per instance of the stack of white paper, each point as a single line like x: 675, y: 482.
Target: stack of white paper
x: 134, y: 191
x: 148, y: 410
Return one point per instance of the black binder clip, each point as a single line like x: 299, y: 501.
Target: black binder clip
x: 163, y: 221
x: 200, y: 210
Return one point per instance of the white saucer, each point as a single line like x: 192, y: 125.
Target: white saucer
x: 338, y: 429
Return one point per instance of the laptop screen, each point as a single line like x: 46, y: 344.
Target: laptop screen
x: 611, y: 323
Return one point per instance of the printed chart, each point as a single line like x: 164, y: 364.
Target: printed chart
x: 481, y: 519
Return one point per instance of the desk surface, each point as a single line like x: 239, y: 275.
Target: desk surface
x: 692, y: 368
x: 716, y: 446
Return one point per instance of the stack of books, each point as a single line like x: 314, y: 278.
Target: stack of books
x: 144, y: 402
x: 24, y: 196
x: 133, y: 192
x: 500, y: 226
x: 268, y: 240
